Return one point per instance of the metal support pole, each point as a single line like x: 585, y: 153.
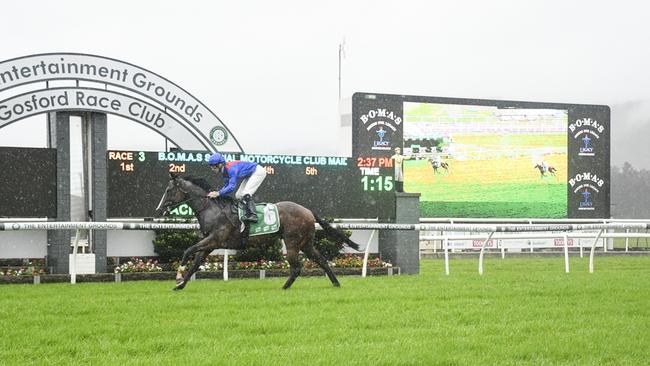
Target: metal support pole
x: 446, y: 244
x: 434, y: 245
x: 604, y: 240
x: 364, y: 270
x: 591, y: 254
x: 566, y: 252
x: 480, y: 257
x: 530, y: 241
x: 581, y: 251
x: 453, y: 250
x: 225, y: 264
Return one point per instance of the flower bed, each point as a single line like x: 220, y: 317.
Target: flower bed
x: 215, y: 263
x: 170, y: 276
x: 21, y: 271
x: 140, y: 269
x: 138, y: 265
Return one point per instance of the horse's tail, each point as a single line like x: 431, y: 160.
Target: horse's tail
x: 334, y: 233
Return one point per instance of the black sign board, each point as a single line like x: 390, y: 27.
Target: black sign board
x: 28, y: 186
x: 329, y: 186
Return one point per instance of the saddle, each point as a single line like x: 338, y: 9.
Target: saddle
x: 269, y: 219
x: 268, y: 223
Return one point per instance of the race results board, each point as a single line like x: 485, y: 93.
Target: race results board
x: 332, y: 186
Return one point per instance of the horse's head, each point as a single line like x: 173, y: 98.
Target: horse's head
x: 175, y: 193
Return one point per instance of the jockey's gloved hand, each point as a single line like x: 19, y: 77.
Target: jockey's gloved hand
x: 213, y: 194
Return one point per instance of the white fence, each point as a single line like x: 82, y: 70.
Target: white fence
x: 491, y: 229
x: 488, y: 231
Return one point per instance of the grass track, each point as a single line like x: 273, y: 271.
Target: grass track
x: 522, y: 311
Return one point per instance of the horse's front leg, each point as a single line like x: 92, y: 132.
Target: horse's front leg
x: 181, y: 275
x: 185, y: 278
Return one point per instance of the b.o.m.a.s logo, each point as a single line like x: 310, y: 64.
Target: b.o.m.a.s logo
x: 587, y: 185
x: 588, y: 131
x: 218, y: 135
x: 381, y: 125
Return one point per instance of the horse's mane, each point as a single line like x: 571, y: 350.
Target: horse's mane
x: 202, y: 183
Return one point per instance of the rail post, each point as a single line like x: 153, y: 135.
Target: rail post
x: 591, y: 253
x: 480, y: 256
x: 566, y: 252
x: 225, y: 264
x: 446, y: 244
x: 364, y: 270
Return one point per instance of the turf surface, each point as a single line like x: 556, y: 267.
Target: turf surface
x: 522, y: 311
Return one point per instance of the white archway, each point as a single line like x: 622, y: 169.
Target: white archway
x: 116, y: 87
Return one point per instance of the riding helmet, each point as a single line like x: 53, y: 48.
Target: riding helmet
x: 215, y: 159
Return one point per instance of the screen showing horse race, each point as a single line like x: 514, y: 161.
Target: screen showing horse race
x: 485, y: 161
x: 490, y: 158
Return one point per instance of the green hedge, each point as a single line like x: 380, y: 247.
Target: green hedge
x: 170, y: 245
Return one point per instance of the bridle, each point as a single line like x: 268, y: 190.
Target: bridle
x: 204, y: 201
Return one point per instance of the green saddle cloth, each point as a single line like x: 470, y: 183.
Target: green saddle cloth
x: 268, y: 219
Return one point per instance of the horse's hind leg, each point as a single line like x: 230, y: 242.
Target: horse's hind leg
x: 315, y: 256
x: 294, y: 264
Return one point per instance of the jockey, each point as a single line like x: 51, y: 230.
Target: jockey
x: 250, y: 174
x: 544, y: 166
x: 437, y: 161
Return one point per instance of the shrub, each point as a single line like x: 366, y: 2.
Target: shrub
x: 254, y: 252
x: 170, y: 244
x: 328, y: 248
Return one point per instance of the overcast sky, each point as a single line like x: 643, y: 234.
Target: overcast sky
x: 269, y: 69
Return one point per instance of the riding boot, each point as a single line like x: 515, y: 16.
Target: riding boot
x: 249, y: 205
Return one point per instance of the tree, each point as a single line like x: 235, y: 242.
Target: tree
x: 630, y: 192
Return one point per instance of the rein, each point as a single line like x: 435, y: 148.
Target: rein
x: 199, y: 210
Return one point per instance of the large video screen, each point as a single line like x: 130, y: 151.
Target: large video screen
x: 486, y: 161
